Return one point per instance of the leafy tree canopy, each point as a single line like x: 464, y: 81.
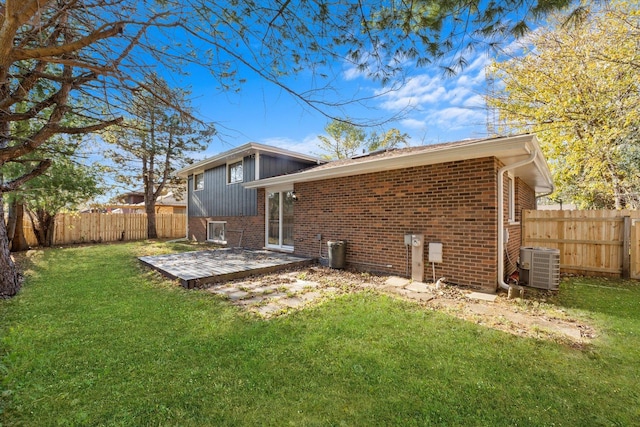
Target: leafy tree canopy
x: 346, y: 140
x: 154, y: 141
x: 577, y: 87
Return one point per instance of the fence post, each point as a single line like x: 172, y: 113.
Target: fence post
x: 626, y: 248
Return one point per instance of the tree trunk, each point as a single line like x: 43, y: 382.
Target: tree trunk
x: 150, y: 208
x: 9, y: 278
x: 42, y: 224
x: 15, y: 227
x: 49, y: 223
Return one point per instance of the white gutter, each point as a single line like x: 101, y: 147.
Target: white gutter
x: 187, y: 213
x: 463, y: 150
x: 501, y: 171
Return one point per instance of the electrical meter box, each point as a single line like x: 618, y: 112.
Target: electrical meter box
x: 435, y: 252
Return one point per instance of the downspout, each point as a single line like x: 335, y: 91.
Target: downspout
x: 187, y: 213
x: 501, y: 172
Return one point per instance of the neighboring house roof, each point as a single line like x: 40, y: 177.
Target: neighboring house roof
x: 168, y: 199
x: 508, y: 150
x: 243, y: 150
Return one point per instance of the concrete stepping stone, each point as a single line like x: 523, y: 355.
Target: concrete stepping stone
x: 396, y: 281
x: 396, y: 290
x: 482, y: 296
x: 237, y: 295
x: 420, y: 296
x: 293, y: 302
x: 310, y: 296
x: 251, y: 301
x: 269, y: 309
x: 418, y: 287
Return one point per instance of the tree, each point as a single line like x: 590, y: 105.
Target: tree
x: 156, y: 141
x: 577, y: 87
x: 50, y: 53
x: 63, y: 186
x: 88, y: 50
x: 346, y: 140
x: 15, y: 224
x: 387, y: 140
x: 343, y: 142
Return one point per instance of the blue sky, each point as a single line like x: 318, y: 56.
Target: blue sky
x: 430, y: 107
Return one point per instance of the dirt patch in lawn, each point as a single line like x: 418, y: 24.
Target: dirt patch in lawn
x: 277, y: 294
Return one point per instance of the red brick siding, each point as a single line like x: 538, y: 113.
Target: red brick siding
x: 252, y: 227
x: 524, y: 199
x: 453, y: 203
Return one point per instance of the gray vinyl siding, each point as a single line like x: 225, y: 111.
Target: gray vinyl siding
x: 273, y: 166
x: 221, y: 199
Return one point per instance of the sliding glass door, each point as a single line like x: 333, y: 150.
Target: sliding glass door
x: 279, y: 219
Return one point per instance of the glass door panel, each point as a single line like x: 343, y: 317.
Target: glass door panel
x: 287, y: 218
x: 273, y: 219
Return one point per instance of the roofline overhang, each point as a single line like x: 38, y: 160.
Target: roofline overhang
x: 507, y: 149
x: 245, y: 149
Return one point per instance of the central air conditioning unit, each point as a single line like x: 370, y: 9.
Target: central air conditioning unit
x: 540, y: 268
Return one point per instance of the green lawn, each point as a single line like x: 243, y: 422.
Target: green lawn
x: 94, y: 339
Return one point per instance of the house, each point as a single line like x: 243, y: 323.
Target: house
x: 133, y: 202
x: 221, y: 208
x: 467, y: 195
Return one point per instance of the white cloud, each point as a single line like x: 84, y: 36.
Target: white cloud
x: 476, y: 101
x: 457, y: 95
x: 423, y: 89
x: 479, y: 63
x: 429, y: 90
x: 413, y: 123
x: 308, y: 145
x: 352, y: 72
x: 456, y: 117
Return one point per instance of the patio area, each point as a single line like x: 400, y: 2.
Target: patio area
x: 196, y: 269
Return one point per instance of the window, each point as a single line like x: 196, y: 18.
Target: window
x: 511, y: 189
x: 234, y: 172
x: 215, y: 232
x: 198, y: 181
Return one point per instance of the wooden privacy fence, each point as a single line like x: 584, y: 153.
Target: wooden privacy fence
x: 601, y: 242
x: 102, y: 227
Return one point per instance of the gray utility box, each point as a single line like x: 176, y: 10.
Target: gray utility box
x: 337, y: 253
x: 540, y: 267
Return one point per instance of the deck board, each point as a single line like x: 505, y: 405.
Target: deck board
x: 194, y: 269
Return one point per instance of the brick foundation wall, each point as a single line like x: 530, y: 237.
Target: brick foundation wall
x: 453, y: 203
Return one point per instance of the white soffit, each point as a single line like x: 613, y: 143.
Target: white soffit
x: 508, y: 150
x: 243, y: 150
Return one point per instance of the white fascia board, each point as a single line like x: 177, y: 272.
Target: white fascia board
x: 249, y: 148
x: 508, y: 149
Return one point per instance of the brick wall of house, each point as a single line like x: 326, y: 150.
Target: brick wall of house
x: 453, y: 203
x: 524, y: 199
x: 250, y: 227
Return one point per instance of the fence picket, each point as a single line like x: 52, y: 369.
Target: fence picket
x: 590, y: 242
x: 99, y: 227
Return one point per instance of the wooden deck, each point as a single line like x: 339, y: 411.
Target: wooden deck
x: 196, y: 269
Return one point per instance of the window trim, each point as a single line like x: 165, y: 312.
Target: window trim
x: 229, y: 165
x: 195, y: 181
x: 224, y: 232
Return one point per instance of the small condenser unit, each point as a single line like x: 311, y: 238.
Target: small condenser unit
x: 540, y: 268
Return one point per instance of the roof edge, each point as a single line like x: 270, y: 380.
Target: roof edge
x: 251, y: 147
x: 490, y: 147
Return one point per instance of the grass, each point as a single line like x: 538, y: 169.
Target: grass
x: 95, y: 339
